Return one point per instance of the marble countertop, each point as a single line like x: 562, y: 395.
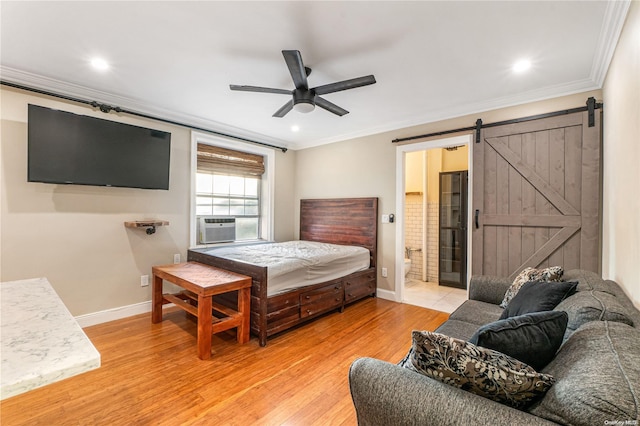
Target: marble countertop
x: 40, y: 341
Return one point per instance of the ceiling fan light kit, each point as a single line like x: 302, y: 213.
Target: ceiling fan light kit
x: 304, y: 107
x: 305, y: 99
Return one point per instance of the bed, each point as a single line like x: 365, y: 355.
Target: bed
x: 323, y: 223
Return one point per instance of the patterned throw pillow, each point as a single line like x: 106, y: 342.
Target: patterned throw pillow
x: 478, y: 370
x: 553, y: 273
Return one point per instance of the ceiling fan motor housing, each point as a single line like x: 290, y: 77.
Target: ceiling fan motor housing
x: 304, y: 100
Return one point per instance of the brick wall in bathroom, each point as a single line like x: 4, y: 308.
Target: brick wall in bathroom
x: 413, y: 230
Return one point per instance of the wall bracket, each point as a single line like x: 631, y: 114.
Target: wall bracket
x: 150, y: 225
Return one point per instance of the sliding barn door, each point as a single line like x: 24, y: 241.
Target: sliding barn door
x: 537, y: 196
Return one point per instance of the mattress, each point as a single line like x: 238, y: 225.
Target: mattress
x: 295, y: 264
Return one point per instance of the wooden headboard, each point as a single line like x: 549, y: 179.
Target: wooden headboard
x: 347, y: 221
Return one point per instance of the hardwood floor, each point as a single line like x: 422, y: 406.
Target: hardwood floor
x: 151, y: 375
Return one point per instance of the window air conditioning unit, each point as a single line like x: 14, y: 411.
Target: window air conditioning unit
x: 214, y: 229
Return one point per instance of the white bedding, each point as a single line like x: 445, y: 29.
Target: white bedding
x: 298, y: 263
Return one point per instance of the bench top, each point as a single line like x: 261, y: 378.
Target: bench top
x: 202, y: 279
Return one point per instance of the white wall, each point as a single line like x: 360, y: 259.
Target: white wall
x: 621, y: 205
x: 75, y: 235
x: 414, y: 171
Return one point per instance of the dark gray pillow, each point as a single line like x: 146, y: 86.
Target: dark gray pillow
x: 538, y: 296
x: 531, y: 338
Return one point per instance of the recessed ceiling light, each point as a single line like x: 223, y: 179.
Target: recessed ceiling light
x: 295, y: 128
x: 99, y: 64
x: 522, y: 65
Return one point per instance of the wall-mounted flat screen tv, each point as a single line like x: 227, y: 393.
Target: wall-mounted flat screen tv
x: 67, y: 148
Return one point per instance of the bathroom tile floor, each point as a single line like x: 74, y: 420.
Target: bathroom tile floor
x: 433, y: 296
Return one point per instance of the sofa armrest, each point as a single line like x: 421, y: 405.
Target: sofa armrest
x: 386, y: 394
x: 487, y: 288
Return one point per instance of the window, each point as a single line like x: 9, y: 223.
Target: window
x: 234, y: 196
x: 232, y: 180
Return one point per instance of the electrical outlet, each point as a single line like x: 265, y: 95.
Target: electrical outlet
x: 384, y: 273
x: 176, y: 258
x: 144, y: 280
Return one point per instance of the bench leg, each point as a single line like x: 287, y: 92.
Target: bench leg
x: 205, y: 321
x: 156, y: 300
x: 244, y: 307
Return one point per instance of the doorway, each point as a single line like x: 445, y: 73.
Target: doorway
x: 422, y: 259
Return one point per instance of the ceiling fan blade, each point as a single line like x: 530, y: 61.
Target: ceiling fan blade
x: 345, y: 85
x: 284, y: 109
x: 259, y: 89
x: 296, y: 68
x: 329, y: 106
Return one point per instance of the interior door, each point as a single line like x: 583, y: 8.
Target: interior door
x: 537, y: 196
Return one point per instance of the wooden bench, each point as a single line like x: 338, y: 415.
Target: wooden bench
x: 201, y: 282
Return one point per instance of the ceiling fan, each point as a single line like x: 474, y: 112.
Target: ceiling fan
x: 305, y: 99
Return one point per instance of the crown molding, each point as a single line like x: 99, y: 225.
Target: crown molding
x: 612, y: 25
x: 67, y: 89
x: 545, y: 93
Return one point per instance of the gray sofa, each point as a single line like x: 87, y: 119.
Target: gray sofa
x: 597, y: 368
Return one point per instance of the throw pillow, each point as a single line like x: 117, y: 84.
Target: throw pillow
x: 531, y: 338
x: 553, y: 273
x: 406, y: 361
x: 481, y: 371
x: 537, y: 296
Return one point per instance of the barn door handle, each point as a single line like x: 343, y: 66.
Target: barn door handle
x: 476, y: 218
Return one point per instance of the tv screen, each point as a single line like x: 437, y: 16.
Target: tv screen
x: 67, y: 148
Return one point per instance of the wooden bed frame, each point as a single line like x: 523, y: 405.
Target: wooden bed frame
x: 347, y: 221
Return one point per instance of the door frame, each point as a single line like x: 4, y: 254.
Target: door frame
x: 401, y: 151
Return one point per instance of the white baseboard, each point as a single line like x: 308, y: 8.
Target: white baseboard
x: 113, y: 314
x: 95, y: 318
x: 386, y: 294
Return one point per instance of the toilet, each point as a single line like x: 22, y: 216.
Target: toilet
x: 407, y: 266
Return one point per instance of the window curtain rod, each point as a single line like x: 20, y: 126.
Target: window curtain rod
x: 591, y: 106
x: 108, y: 108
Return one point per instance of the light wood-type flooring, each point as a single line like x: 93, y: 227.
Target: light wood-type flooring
x: 151, y: 375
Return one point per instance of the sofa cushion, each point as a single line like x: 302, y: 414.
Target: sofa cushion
x: 537, y: 296
x: 553, y: 273
x: 597, y: 375
x: 587, y: 280
x: 459, y: 329
x: 531, y: 338
x: 487, y: 288
x: 481, y: 371
x: 585, y: 306
x: 476, y: 312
